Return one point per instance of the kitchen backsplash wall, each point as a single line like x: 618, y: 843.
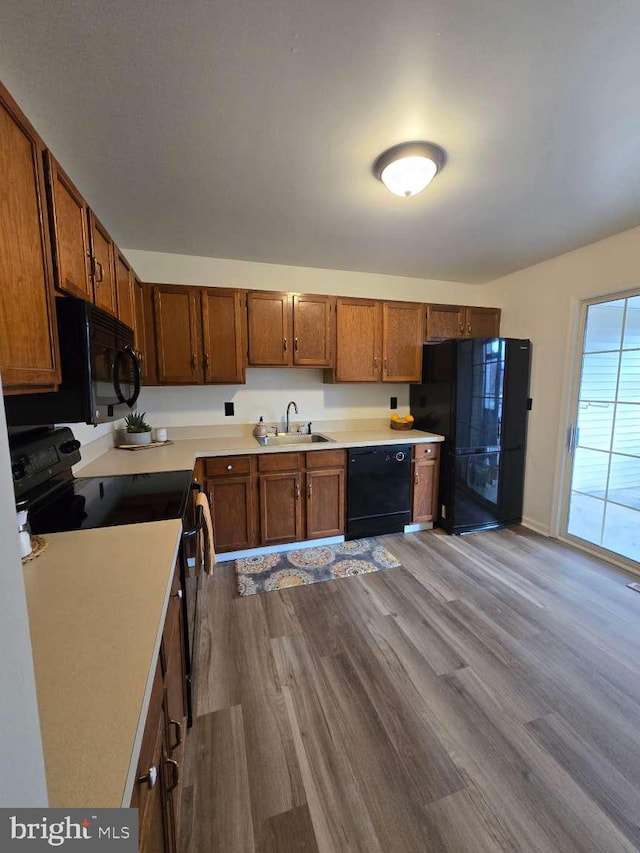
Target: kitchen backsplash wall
x: 267, y: 393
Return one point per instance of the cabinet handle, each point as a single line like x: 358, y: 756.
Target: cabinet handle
x: 178, y: 726
x: 469, y: 329
x: 140, y: 356
x: 295, y: 344
x: 177, y: 595
x: 193, y: 360
x: 461, y: 327
x: 297, y: 491
x: 375, y: 363
x: 176, y: 773
x: 206, y: 361
x: 150, y: 779
x: 309, y: 491
x: 385, y: 365
x: 284, y: 344
x: 415, y: 478
x: 97, y: 266
x: 229, y: 467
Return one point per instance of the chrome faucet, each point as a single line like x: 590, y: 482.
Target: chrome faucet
x: 295, y: 409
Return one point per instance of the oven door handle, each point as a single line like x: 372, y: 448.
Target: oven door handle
x: 136, y: 376
x: 189, y: 534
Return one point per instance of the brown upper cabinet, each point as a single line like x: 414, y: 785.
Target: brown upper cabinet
x: 312, y: 330
x: 200, y: 335
x: 178, y: 334
x: 103, y: 265
x: 358, y: 340
x: 482, y: 322
x: 378, y: 341
x: 125, y: 292
x: 402, y: 338
x: 70, y: 238
x: 28, y: 338
x: 269, y: 326
x: 459, y: 321
x: 223, y: 335
x: 288, y: 329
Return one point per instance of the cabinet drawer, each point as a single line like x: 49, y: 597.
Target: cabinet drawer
x: 325, y: 459
x: 280, y: 462
x: 226, y: 466
x: 426, y: 451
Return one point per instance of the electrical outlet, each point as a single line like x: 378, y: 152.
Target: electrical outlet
x: 228, y: 410
x: 394, y: 403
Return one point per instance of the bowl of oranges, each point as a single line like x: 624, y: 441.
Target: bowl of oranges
x: 401, y: 423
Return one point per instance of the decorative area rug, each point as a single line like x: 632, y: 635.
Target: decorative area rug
x: 267, y: 572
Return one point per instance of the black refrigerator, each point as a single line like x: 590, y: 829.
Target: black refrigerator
x: 476, y: 393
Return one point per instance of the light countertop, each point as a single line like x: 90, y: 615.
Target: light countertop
x: 97, y: 602
x: 181, y: 455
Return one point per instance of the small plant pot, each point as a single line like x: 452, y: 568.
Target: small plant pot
x: 138, y: 438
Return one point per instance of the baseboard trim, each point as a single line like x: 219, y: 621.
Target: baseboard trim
x: 416, y: 528
x: 543, y: 529
x: 277, y: 549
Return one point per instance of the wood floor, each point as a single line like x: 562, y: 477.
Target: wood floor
x: 484, y: 697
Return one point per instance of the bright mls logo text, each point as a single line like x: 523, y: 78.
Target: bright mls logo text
x: 112, y: 829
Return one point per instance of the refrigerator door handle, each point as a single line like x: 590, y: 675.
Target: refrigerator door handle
x: 572, y: 434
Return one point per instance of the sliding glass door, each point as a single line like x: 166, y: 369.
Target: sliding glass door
x: 604, y: 442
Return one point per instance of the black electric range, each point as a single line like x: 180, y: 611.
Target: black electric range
x: 41, y: 463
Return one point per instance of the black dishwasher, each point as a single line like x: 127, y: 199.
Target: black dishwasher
x: 378, y: 490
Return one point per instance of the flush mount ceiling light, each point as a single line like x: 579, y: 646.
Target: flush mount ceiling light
x: 406, y: 169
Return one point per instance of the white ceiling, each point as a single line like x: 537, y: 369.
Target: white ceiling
x: 247, y: 128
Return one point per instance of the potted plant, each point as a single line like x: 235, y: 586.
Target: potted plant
x: 138, y: 431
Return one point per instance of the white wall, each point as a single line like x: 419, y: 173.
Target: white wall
x: 268, y: 391
x: 22, y: 778
x: 542, y: 302
x: 219, y: 272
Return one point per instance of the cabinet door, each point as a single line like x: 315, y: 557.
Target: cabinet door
x: 28, y: 332
x: 223, y: 336
x: 325, y: 503
x: 139, y: 325
x: 232, y: 513
x: 425, y: 489
x: 177, y: 328
x: 312, y: 330
x: 444, y: 322
x: 125, y: 292
x: 150, y: 344
x: 280, y: 508
x: 269, y: 328
x: 482, y: 322
x: 69, y: 224
x: 175, y: 705
x: 358, y: 339
x: 103, y: 268
x: 149, y: 794
x: 402, y: 341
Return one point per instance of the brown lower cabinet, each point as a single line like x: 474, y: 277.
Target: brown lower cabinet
x: 275, y: 498
x: 158, y: 788
x: 426, y: 470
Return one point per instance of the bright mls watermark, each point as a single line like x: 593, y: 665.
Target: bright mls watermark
x: 86, y: 829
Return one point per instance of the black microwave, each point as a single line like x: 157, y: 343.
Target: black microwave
x: 100, y: 371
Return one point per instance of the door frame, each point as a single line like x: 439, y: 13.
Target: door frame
x: 569, y: 416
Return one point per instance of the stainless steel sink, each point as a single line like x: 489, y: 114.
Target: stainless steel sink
x: 285, y: 438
